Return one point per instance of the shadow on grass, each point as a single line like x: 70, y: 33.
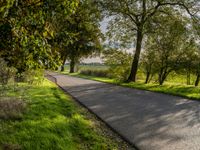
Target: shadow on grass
x: 147, y: 119
x: 52, y: 121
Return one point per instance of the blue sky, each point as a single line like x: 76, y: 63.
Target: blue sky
x: 104, y: 24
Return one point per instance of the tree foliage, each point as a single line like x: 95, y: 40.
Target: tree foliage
x: 170, y: 48
x: 132, y: 17
x: 83, y: 30
x: 118, y: 62
x: 27, y: 28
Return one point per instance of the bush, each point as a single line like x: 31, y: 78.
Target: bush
x: 32, y: 76
x: 11, y: 108
x: 97, y: 73
x: 119, y: 63
x: 11, y: 147
x: 120, y: 73
x: 6, y: 73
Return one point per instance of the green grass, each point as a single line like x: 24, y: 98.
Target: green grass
x: 188, y: 91
x: 52, y: 121
x: 173, y: 78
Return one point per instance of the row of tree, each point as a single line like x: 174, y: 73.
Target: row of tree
x: 83, y: 26
x: 170, y: 39
x: 133, y: 20
x: 44, y: 33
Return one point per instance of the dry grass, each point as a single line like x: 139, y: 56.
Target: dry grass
x: 11, y: 147
x: 11, y: 108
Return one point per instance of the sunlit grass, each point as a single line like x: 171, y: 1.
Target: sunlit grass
x: 187, y: 91
x: 52, y: 121
x: 173, y: 88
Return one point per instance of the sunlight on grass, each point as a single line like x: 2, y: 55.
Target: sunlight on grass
x: 188, y: 91
x: 52, y: 121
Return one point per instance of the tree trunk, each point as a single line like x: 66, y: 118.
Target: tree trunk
x: 188, y: 77
x: 62, y: 68
x: 147, y: 77
x: 72, y: 65
x: 162, y: 77
x: 197, y: 80
x: 161, y: 80
x: 134, y: 67
x: 150, y: 78
x: 63, y: 64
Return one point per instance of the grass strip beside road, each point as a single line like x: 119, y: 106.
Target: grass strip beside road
x: 187, y: 91
x: 53, y: 121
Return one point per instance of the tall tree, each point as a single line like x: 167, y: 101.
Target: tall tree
x: 135, y: 14
x: 83, y: 33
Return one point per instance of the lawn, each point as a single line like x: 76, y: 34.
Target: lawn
x: 52, y: 121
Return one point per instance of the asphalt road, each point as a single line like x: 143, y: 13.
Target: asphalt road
x: 149, y: 120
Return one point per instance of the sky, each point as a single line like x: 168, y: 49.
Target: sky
x: 103, y: 27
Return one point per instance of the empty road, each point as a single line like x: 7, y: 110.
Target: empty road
x: 149, y: 120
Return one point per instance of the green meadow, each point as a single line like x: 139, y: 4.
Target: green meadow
x: 51, y: 120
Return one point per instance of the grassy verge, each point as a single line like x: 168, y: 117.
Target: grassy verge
x: 53, y: 121
x: 187, y: 91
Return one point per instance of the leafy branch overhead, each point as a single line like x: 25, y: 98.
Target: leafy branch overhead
x: 29, y: 28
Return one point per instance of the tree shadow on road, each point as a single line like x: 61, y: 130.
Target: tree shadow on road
x: 149, y: 120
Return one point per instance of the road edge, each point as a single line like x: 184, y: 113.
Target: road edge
x: 98, y: 117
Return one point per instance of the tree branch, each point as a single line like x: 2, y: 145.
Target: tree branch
x: 179, y: 4
x: 159, y: 4
x: 155, y: 9
x: 132, y: 16
x: 144, y: 10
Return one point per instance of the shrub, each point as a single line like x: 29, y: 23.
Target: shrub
x: 11, y: 147
x: 11, y: 108
x: 6, y: 73
x: 119, y: 63
x: 97, y: 73
x: 32, y: 76
x: 119, y: 73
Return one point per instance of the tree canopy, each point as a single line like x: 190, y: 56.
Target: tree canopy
x: 83, y: 29
x: 27, y: 28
